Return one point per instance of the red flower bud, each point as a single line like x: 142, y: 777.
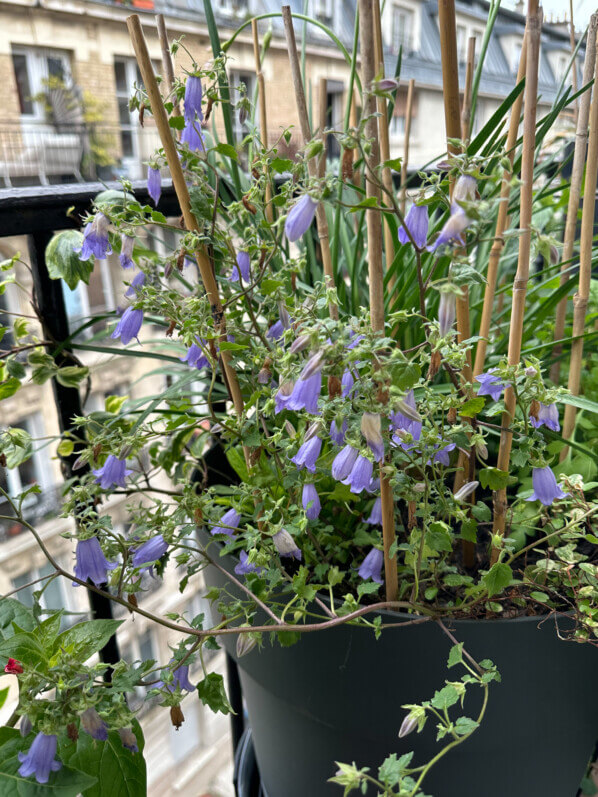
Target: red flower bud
x: 14, y: 667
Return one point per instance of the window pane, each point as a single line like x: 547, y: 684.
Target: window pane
x: 120, y: 75
x: 19, y: 61
x: 146, y: 649
x: 55, y: 67
x: 25, y: 595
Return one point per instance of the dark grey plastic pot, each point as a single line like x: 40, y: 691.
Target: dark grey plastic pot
x: 337, y: 696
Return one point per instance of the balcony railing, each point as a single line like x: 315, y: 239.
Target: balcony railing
x: 51, y: 154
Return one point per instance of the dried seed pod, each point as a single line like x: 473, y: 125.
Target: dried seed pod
x: 176, y: 716
x: 141, y: 113
x: 451, y: 416
x: 97, y: 450
x: 171, y: 328
x: 534, y: 409
x: 209, y: 105
x: 132, y: 599
x: 435, y: 361
x: 247, y: 204
x: 335, y: 387
x: 180, y: 261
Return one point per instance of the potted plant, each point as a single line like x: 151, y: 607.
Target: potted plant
x: 396, y: 509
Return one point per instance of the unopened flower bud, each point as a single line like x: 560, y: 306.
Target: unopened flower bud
x: 420, y: 487
x: 447, y: 312
x: 25, y: 726
x: 314, y: 148
x: 371, y: 429
x: 78, y: 464
x: 176, y: 716
x: 313, y: 365
x: 168, y: 270
x: 291, y: 431
x: 284, y: 315
x: 481, y: 450
x: 465, y: 491
x: 245, y: 644
x: 531, y: 371
x: 312, y: 430
x: 125, y: 452
x: 299, y: 344
x: 408, y: 411
x: 387, y: 84
x: 408, y: 725
x: 466, y: 189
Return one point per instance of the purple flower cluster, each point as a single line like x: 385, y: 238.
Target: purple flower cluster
x: 128, y: 326
x: 39, y: 759
x: 416, y: 222
x: 371, y: 567
x: 227, y: 524
x: 546, y: 489
x: 180, y: 680
x: 245, y: 566
x: 548, y: 415
x: 150, y: 551
x: 195, y: 356
x: 113, y: 472
x: 242, y: 268
x: 308, y: 454
x: 491, y: 384
x: 300, y: 217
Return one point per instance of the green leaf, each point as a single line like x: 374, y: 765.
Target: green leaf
x: 24, y: 647
x: 119, y: 772
x: 71, y: 375
x: 471, y: 408
x: 114, y: 403
x: 66, y: 782
x: 226, y: 149
x: 438, y: 537
x: 211, y: 692
x: 497, y: 578
x: 226, y: 345
x: 9, y: 388
x: 11, y: 611
x: 84, y: 639
x: 494, y: 478
x: 446, y: 698
x: 367, y: 588
x: 237, y: 462
x: 3, y: 695
x: 456, y: 655
x: 178, y: 122
x: 65, y: 448
x: 116, y: 199
x: 64, y: 263
x: 281, y: 165
x: 465, y: 725
x: 581, y: 402
x: 370, y: 202
x: 268, y: 286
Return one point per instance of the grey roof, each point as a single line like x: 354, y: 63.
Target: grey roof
x: 423, y: 65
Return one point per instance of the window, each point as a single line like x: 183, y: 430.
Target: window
x: 397, y: 126
x: 241, y: 84
x: 127, y: 76
x: 15, y: 478
x: 33, y: 67
x: 232, y: 7
x: 461, y: 42
x: 323, y: 10
x: 7, y: 340
x: 87, y: 300
x: 139, y: 648
x: 57, y: 593
x: 402, y: 28
x: 516, y: 57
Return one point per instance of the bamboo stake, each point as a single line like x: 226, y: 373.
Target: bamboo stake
x: 167, y: 62
x: 323, y: 112
x: 577, y: 172
x: 389, y: 248
x: 534, y: 28
x: 465, y: 462
x: 261, y: 89
x: 375, y: 270
x: 405, y: 163
x: 321, y: 222
x: 502, y: 221
x: 182, y: 192
x: 574, y: 65
x: 580, y: 300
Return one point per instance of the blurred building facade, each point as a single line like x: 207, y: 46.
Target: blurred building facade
x: 47, y: 135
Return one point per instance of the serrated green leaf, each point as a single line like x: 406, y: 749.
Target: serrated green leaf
x: 455, y: 655
x: 497, y: 578
x: 72, y: 375
x: 212, y: 693
x: 9, y: 388
x: 281, y: 165
x: 226, y: 149
x: 86, y: 638
x: 24, y: 647
x: 64, y: 263
x: 445, y: 698
x: 493, y: 478
x: 471, y: 408
x: 12, y: 611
